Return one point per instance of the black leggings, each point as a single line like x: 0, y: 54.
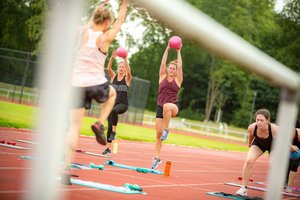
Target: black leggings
x: 293, y: 166
x: 113, y: 116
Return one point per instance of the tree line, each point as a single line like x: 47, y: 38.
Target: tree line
x: 213, y: 88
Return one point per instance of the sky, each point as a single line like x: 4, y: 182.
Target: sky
x: 279, y: 5
x: 136, y: 29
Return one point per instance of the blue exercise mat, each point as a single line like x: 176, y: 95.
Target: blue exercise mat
x: 138, y: 169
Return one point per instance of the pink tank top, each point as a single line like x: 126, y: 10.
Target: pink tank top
x: 89, y: 63
x: 167, y: 92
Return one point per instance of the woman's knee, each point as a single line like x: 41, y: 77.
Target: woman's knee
x: 158, y: 131
x: 114, y: 112
x: 249, y: 163
x: 158, y: 135
x: 167, y: 107
x: 170, y: 108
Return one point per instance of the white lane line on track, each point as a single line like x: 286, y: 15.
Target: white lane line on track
x: 15, y: 168
x: 182, y: 185
x: 8, y: 153
x: 113, y: 170
x: 62, y: 189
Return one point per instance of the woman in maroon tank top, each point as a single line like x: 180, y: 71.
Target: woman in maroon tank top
x: 170, y: 80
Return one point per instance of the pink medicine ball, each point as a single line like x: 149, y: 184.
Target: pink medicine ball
x: 175, y: 42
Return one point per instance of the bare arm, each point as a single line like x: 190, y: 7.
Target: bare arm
x: 298, y: 131
x: 110, y: 71
x: 163, y: 65
x: 274, y: 128
x: 250, y: 134
x: 112, y: 33
x: 179, y: 76
x: 128, y: 72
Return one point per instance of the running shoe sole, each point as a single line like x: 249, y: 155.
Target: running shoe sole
x: 99, y: 135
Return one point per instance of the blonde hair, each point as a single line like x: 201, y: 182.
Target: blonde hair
x: 101, y: 15
x: 173, y: 62
x: 120, y: 62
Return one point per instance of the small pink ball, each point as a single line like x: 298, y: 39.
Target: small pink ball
x: 122, y: 52
x: 175, y: 42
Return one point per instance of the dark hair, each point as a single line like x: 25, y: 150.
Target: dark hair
x: 263, y: 112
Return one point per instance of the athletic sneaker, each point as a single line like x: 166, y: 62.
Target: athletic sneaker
x: 112, y: 136
x: 164, y: 134
x: 98, y: 130
x: 155, y: 163
x: 242, y: 191
x: 66, y: 176
x: 288, y: 189
x: 107, y: 152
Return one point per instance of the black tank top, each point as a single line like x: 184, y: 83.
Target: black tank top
x: 296, y: 141
x: 121, y: 89
x: 263, y: 143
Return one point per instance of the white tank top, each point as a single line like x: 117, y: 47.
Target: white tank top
x: 89, y: 63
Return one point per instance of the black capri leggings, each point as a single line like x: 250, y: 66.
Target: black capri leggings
x: 113, y: 116
x: 293, y: 166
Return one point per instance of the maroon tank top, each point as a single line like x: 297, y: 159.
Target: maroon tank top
x: 167, y: 92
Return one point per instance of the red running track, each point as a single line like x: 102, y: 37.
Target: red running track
x: 193, y: 171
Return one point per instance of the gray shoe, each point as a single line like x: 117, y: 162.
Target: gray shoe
x: 107, y: 152
x: 155, y: 163
x: 112, y: 136
x: 164, y: 134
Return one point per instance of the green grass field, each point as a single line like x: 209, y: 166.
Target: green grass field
x: 22, y: 116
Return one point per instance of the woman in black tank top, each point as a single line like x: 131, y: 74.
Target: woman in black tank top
x: 261, y: 134
x: 260, y: 140
x: 263, y: 143
x: 120, y: 82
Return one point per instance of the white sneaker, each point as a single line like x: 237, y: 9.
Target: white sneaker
x: 242, y: 191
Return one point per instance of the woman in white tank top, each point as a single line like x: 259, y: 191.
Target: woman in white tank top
x: 88, y: 75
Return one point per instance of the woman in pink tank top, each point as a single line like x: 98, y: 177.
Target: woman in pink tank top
x: 170, y: 80
x: 88, y: 76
